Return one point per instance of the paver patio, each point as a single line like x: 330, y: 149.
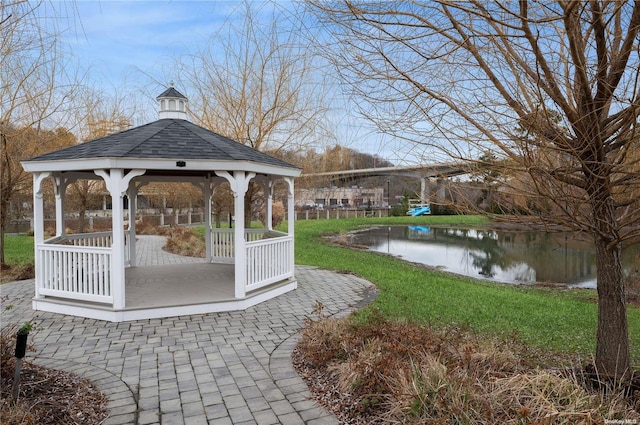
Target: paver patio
x: 220, y: 368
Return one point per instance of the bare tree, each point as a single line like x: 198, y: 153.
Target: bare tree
x: 97, y: 114
x: 35, y: 91
x: 549, y: 89
x: 257, y: 85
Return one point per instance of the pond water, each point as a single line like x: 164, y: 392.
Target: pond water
x: 504, y: 256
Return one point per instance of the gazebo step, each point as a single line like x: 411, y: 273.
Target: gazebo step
x: 208, y: 303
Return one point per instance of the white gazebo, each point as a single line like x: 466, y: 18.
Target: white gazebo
x: 87, y: 274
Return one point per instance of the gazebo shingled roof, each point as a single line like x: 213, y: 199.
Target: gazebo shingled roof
x: 165, y: 139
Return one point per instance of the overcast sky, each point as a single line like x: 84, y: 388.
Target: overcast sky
x: 117, y: 38
x: 134, y: 44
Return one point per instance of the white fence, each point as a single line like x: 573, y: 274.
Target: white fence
x: 74, y: 269
x: 339, y: 213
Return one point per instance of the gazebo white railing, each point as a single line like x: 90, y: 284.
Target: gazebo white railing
x: 67, y: 270
x: 268, y: 261
x: 77, y: 267
x: 268, y: 254
x: 222, y: 246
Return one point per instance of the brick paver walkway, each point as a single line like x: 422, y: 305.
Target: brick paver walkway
x: 221, y: 368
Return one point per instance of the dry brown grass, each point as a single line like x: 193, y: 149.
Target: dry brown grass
x: 409, y: 374
x: 183, y: 241
x: 146, y: 227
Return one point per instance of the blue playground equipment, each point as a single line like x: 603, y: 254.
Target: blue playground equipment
x: 420, y: 229
x: 419, y: 210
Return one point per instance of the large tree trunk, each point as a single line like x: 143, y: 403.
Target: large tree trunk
x: 81, y: 220
x: 249, y: 199
x: 612, y: 348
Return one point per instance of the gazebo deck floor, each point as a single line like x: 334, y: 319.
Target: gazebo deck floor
x: 178, y: 284
x: 163, y: 279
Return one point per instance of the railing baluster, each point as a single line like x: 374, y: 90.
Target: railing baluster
x: 56, y: 276
x: 63, y: 268
x: 45, y: 261
x: 73, y: 266
x: 85, y: 272
x: 89, y: 284
x: 100, y: 275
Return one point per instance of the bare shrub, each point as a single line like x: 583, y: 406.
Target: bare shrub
x: 410, y: 374
x: 146, y: 227
x: 322, y: 341
x: 7, y: 345
x: 278, y: 212
x: 182, y: 241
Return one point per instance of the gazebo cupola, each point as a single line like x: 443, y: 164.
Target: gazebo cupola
x: 172, y: 104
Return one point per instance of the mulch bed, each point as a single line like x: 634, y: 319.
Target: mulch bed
x: 344, y: 406
x: 17, y: 272
x: 50, y: 397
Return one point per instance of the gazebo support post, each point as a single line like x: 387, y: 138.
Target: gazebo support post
x: 117, y: 184
x: 207, y: 194
x: 239, y: 247
x: 268, y: 196
x: 117, y: 247
x: 38, y: 226
x: 291, y: 218
x: 59, y: 189
x: 132, y: 193
x: 424, y: 191
x: 239, y: 183
x: 133, y: 201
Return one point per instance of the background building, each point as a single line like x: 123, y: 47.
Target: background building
x: 347, y: 197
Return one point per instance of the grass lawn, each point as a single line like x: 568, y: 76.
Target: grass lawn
x: 18, y: 249
x: 545, y: 318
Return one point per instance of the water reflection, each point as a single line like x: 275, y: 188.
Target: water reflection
x: 512, y: 257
